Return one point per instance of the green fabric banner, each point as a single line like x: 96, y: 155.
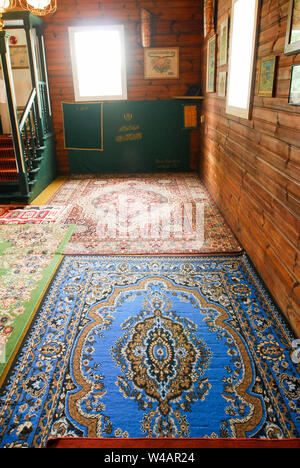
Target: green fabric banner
x: 83, y: 126
x: 138, y: 136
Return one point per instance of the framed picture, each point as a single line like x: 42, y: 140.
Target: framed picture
x: 161, y: 63
x: 211, y: 65
x: 222, y: 84
x: 294, y: 95
x: 266, y: 76
x: 19, y: 57
x: 292, y: 38
x: 145, y: 28
x: 209, y: 17
x: 223, y: 42
x: 190, y: 116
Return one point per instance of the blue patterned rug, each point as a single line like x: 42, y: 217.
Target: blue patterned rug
x: 153, y: 347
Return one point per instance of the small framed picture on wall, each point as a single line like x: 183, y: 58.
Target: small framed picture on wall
x: 19, y: 56
x: 211, y: 65
x: 222, y: 84
x: 146, y: 18
x: 223, y: 42
x: 209, y: 17
x: 294, y: 94
x: 161, y: 63
x: 266, y: 76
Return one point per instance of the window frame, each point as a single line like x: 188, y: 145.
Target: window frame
x: 78, y: 97
x: 235, y: 110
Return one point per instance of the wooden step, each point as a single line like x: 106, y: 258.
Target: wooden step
x: 9, y: 175
x: 8, y: 167
x: 6, y: 140
x: 7, y: 163
x: 6, y: 153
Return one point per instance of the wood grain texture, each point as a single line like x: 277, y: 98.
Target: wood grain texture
x: 176, y: 23
x: 252, y: 167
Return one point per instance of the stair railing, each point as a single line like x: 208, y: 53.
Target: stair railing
x: 47, y: 126
x: 12, y: 107
x: 30, y: 132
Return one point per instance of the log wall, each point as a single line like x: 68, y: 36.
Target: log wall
x: 252, y: 167
x: 176, y: 23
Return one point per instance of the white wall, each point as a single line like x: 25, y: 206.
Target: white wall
x: 22, y: 84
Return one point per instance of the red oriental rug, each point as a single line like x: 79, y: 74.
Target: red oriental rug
x: 170, y: 443
x: 143, y: 214
x: 32, y: 214
x: 4, y: 209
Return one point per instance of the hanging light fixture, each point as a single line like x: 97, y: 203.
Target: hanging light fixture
x: 36, y: 7
x: 39, y: 7
x: 4, y: 6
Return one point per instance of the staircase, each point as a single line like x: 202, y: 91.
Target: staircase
x: 8, y: 167
x: 9, y: 178
x: 28, y: 155
x: 9, y: 181
x: 21, y: 154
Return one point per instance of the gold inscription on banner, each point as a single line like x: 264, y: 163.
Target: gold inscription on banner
x: 129, y: 128
x: 82, y: 108
x: 126, y: 136
x: 129, y: 137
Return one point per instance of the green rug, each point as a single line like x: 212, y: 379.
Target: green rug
x: 29, y: 255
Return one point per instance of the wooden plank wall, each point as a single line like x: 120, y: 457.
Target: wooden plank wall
x: 252, y: 167
x: 175, y: 23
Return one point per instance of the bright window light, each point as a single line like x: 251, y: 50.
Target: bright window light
x: 98, y: 63
x: 242, y: 47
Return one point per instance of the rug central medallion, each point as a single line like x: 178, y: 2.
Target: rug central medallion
x: 152, y: 351
x: 159, y: 356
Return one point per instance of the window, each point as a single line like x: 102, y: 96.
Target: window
x: 242, y: 48
x: 98, y: 63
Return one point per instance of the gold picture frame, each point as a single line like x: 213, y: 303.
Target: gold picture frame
x: 223, y: 42
x: 211, y: 65
x: 146, y: 19
x: 209, y: 15
x: 19, y: 57
x: 190, y: 116
x: 222, y: 84
x: 161, y: 63
x: 266, y: 76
